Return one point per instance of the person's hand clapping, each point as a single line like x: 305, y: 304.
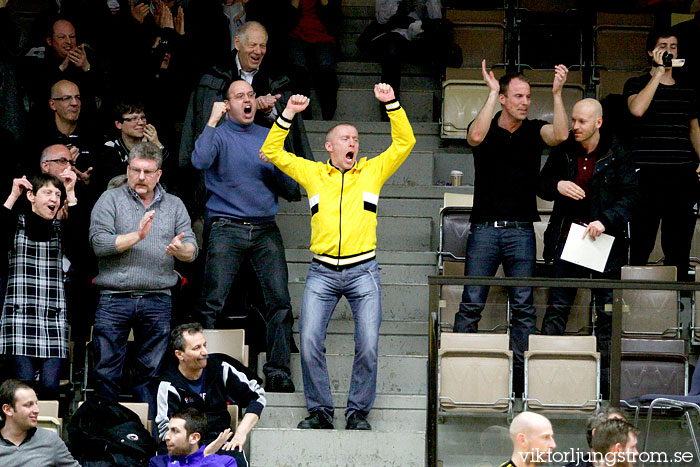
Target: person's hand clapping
x: 489, y: 78
x: 145, y: 224
x: 140, y: 11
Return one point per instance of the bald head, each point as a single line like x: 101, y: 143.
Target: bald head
x: 586, y: 120
x: 590, y: 105
x: 528, y: 423
x: 54, y: 159
x: 65, y: 101
x: 533, y: 438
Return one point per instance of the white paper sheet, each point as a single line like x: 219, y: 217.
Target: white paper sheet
x: 586, y: 252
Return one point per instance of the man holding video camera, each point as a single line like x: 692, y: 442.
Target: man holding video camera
x: 665, y: 146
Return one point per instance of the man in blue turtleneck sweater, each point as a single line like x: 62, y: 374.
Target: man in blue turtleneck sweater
x: 241, y: 209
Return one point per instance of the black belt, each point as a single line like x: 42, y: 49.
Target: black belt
x: 136, y: 294
x: 238, y: 221
x: 505, y: 224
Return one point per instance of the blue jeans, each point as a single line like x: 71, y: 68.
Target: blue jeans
x: 230, y: 244
x: 487, y: 248
x: 324, y: 288
x: 559, y: 307
x: 49, y: 373
x: 149, y: 316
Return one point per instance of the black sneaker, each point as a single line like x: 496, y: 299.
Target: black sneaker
x: 357, y: 421
x: 279, y: 382
x: 315, y: 421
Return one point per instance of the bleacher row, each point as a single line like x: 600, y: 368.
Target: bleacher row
x: 617, y: 43
x: 562, y: 373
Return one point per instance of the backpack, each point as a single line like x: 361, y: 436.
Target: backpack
x: 104, y: 433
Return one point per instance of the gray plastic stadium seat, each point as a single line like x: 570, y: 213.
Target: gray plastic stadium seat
x: 475, y: 373
x: 651, y: 313
x: 562, y: 374
x: 653, y: 366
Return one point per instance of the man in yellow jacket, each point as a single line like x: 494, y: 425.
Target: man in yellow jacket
x: 343, y: 196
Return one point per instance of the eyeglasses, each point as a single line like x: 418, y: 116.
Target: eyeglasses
x: 67, y: 98
x: 61, y: 161
x: 145, y: 172
x: 136, y: 118
x: 242, y: 95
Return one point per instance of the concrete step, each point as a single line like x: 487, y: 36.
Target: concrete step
x: 375, y: 141
x: 395, y: 233
x: 274, y: 447
x: 367, y: 128
x: 388, y: 273
x: 390, y: 413
x: 399, y: 302
x: 360, y: 103
x: 396, y: 374
x: 357, y: 3
x: 355, y: 24
x: 374, y: 68
x: 358, y: 11
x: 368, y: 80
x: 399, y: 345
x: 395, y: 337
x: 419, y: 171
x: 348, y: 45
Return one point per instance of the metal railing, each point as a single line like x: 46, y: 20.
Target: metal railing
x: 436, y: 282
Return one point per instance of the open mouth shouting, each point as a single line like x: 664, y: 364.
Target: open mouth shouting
x: 248, y: 111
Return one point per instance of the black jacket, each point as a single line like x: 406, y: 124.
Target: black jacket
x: 225, y: 381
x: 212, y: 88
x: 612, y: 194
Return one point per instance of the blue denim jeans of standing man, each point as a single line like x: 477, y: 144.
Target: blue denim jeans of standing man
x: 324, y: 288
x: 230, y: 244
x: 49, y: 373
x: 487, y: 248
x: 117, y: 314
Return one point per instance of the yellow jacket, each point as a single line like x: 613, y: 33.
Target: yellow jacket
x: 343, y: 206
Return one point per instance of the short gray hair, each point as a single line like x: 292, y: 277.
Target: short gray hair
x: 243, y: 29
x: 177, y: 335
x: 49, y: 151
x: 148, y: 151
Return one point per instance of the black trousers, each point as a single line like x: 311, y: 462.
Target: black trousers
x: 667, y: 196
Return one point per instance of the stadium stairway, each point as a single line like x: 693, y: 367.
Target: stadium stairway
x: 407, y: 240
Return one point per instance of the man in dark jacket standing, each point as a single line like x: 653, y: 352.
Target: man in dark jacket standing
x: 244, y: 63
x: 592, y: 181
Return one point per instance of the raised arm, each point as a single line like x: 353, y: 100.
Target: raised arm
x: 205, y: 148
x: 273, y: 149
x: 558, y: 131
x: 481, y: 124
x: 18, y: 186
x: 638, y: 104
x: 402, y: 138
